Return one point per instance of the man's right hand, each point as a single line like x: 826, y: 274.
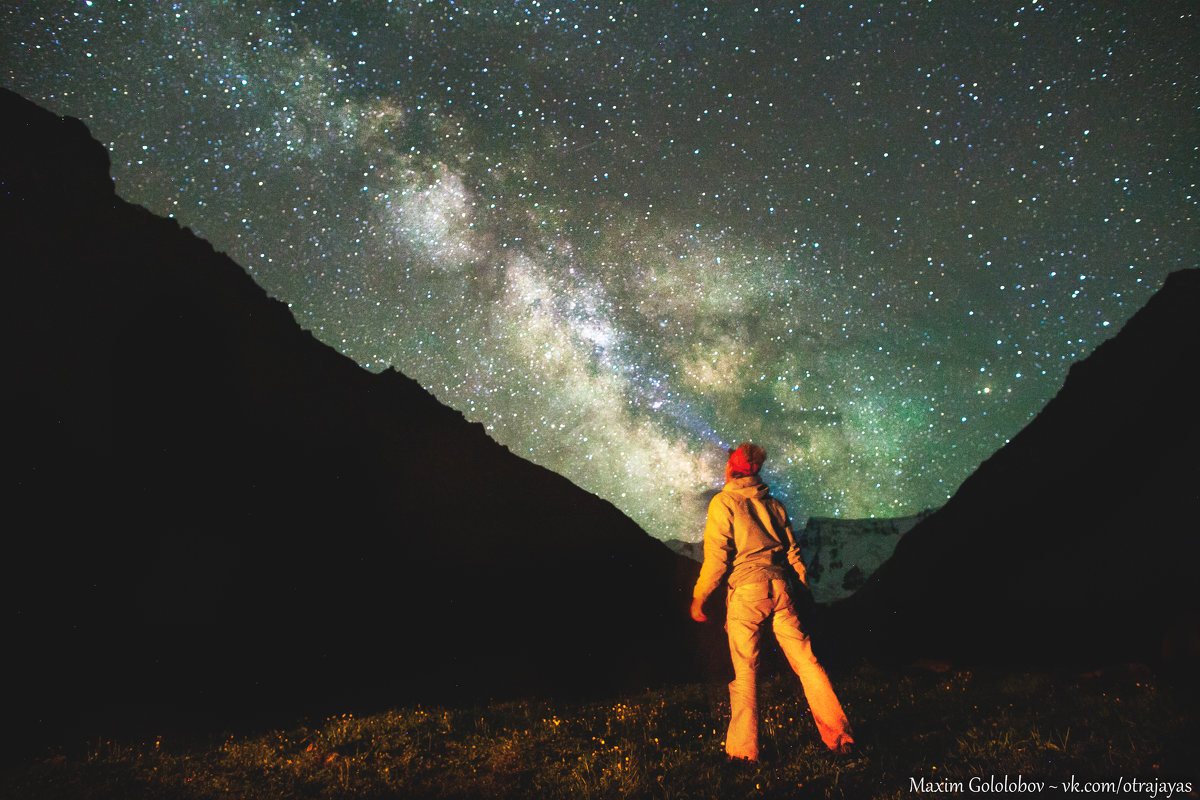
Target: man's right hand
x: 698, y: 610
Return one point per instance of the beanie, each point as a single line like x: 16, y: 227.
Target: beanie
x: 746, y: 459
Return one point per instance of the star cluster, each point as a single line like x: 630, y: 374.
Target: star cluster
x: 625, y: 236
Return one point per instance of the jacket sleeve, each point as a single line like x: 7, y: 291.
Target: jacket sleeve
x: 718, y: 548
x: 793, y: 548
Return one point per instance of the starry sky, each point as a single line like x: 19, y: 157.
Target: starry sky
x: 625, y: 236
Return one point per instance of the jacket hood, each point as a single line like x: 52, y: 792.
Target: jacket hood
x: 749, y: 487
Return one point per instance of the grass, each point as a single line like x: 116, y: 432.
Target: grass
x: 912, y: 724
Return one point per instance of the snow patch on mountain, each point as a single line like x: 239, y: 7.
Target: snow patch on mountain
x: 842, y: 553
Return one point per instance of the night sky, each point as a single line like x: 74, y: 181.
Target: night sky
x: 623, y: 236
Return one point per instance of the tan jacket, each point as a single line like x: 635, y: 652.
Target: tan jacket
x: 749, y: 531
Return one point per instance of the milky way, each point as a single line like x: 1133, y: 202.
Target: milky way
x: 624, y: 236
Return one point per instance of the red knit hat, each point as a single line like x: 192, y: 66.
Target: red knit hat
x: 747, y: 459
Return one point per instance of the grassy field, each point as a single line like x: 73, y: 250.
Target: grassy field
x: 912, y: 725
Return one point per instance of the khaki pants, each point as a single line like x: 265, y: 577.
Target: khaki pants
x: 749, y: 606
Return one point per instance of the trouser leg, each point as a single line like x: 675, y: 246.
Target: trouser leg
x: 826, y: 710
x: 741, y: 740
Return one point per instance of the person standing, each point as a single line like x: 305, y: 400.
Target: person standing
x: 748, y: 542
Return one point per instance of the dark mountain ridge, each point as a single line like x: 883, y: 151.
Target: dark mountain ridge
x: 1075, y: 543
x: 221, y: 515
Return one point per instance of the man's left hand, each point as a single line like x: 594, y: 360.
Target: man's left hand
x: 698, y: 610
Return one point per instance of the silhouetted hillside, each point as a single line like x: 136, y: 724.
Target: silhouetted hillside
x: 1076, y: 542
x: 217, y: 512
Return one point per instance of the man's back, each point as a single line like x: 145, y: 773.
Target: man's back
x: 747, y: 537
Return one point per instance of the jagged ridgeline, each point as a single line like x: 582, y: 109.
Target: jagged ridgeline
x: 217, y: 511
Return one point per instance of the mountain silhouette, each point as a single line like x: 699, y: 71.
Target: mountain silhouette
x: 217, y: 516
x: 1077, y: 542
